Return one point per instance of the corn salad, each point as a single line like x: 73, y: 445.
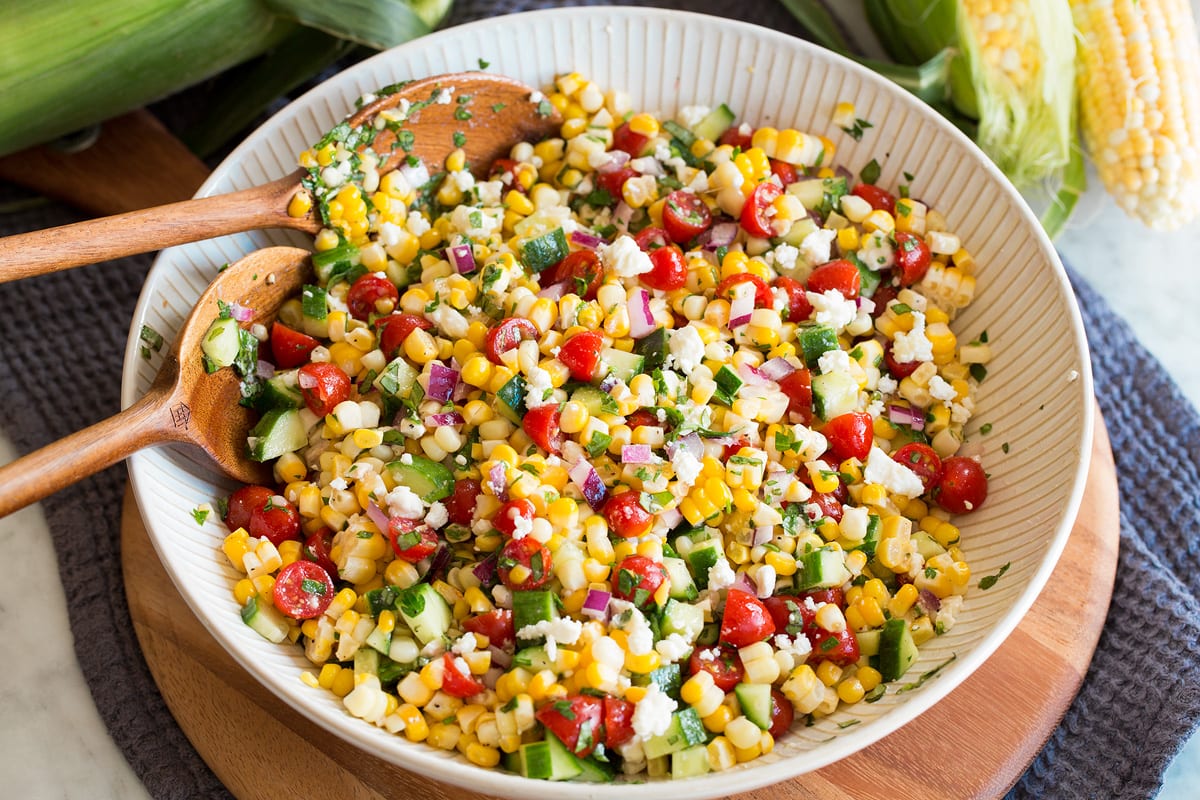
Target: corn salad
x: 620, y: 460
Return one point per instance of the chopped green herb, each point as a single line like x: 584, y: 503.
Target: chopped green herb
x: 1004, y: 448
x: 978, y: 372
x: 985, y: 429
x: 200, y: 515
x: 460, y: 138
x: 870, y: 173
x: 310, y: 586
x: 484, y: 64
x: 545, y: 109
x: 856, y: 130
x: 848, y: 723
x: 908, y: 687
x: 497, y: 107
x: 988, y: 581
x: 461, y: 113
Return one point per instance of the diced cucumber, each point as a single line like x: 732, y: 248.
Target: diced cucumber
x: 795, y: 236
x: 314, y: 302
x: 709, y: 634
x: 870, y: 278
x: 427, y: 478
x: 281, y: 390
x: 533, y: 606
x: 897, y: 650
x: 622, y: 365
x: 391, y: 670
x: 926, y: 545
x: 281, y: 430
x: 326, y: 261
x: 425, y: 612
x: 808, y: 192
x: 834, y: 394
x: 510, y: 400
x: 677, y: 131
x: 366, y: 661
x: 594, y: 400
x: 821, y: 568
x: 867, y: 545
x: 545, y: 251
x: 684, y: 619
x: 704, y: 556
x: 686, y: 730
x: 868, y: 642
x: 592, y: 771
x: 534, y: 658
x: 682, y: 586
x: 815, y: 340
x: 715, y: 123
x: 397, y: 378
x: 548, y: 760
x: 653, y: 348
x: 221, y: 344
x: 379, y: 640
x: 266, y: 620
x: 755, y: 700
x: 690, y: 763
x: 382, y: 599
x: 667, y: 678
x: 728, y: 383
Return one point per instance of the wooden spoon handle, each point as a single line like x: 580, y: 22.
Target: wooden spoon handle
x: 86, y: 452
x: 56, y: 249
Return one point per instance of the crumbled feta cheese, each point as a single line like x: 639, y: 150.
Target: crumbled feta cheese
x: 564, y: 630
x: 536, y: 97
x: 437, y: 516
x: 690, y: 116
x: 522, y: 526
x: 940, y: 389
x: 687, y: 467
x: 404, y: 502
x: 389, y: 234
x: 877, y: 251
x: 686, y: 349
x: 465, y: 644
x: 887, y: 384
x: 673, y: 647
x: 641, y: 637
x: 624, y: 258
x: 832, y: 308
x: 434, y: 649
x: 406, y: 459
x: 652, y: 714
x: 959, y: 413
x: 834, y: 361
x: 538, y: 388
x: 785, y: 256
x: 338, y: 483
x: 411, y: 429
x: 914, y: 345
x: 947, y: 613
x: 720, y: 575
x: 417, y: 224
x: 816, y: 247
x: 875, y: 409
x: 798, y: 648
x: 892, y: 475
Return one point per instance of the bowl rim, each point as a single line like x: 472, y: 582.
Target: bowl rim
x: 716, y: 783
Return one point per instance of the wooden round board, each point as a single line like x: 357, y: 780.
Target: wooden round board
x: 1037, y: 671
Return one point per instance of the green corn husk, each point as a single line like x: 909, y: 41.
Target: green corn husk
x: 67, y: 64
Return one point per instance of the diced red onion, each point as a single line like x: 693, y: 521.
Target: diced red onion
x: 841, y: 172
x: 928, y: 602
x: 265, y: 369
x: 437, y: 567
x: 442, y: 381
x: 743, y: 584
x: 498, y: 481
x: 720, y: 235
x: 641, y: 320
x: 690, y: 443
x: 485, y: 570
x: 671, y: 517
x: 500, y: 657
x: 586, y: 239
x: 461, y: 257
x: 439, y: 420
x: 589, y: 482
x: 595, y: 605
x: 240, y: 312
x: 776, y: 369
x: 752, y: 376
x: 306, y: 380
x: 636, y: 454
x: 554, y: 291
x: 903, y: 415
x: 378, y: 516
x: 608, y: 383
x: 763, y: 534
x: 622, y: 214
x: 616, y: 160
x: 740, y: 309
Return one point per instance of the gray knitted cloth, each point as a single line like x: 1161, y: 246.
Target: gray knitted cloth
x: 1139, y: 701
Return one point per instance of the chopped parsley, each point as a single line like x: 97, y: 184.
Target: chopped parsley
x: 200, y: 515
x: 870, y: 173
x: 856, y: 130
x: 988, y: 581
x: 460, y: 138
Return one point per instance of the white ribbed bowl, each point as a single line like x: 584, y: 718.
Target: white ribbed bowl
x: 1037, y: 397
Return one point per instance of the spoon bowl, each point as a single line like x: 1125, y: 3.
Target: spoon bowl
x: 483, y: 114
x: 185, y: 403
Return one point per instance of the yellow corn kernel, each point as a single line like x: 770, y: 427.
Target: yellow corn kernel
x: 720, y: 754
x: 903, y: 600
x: 851, y: 690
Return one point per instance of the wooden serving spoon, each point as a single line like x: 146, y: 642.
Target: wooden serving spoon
x: 184, y: 404
x: 487, y: 112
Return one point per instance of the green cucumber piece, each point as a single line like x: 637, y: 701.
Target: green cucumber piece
x: 548, y: 760
x: 594, y: 400
x: 684, y: 619
x: 897, y: 650
x: 397, y: 379
x: 703, y: 557
x: 682, y: 585
x: 690, y: 762
x: 872, y: 538
x: 281, y: 390
x: 728, y: 384
x: 221, y: 344
x: 534, y: 658
x: 821, y: 568
x: 926, y: 545
x: 366, y: 661
x: 622, y: 365
x: 427, y: 478
x: 533, y: 606
x: 341, y: 257
x: 868, y: 642
x: 834, y: 394
x: 667, y: 678
x: 715, y: 123
x: 382, y: 599
x: 815, y: 340
x: 379, y: 640
x: 870, y: 278
x: 281, y: 430
x: 686, y: 730
x: 425, y: 612
x: 592, y: 771
x: 545, y: 251
x: 677, y: 131
x: 755, y: 700
x: 510, y: 400
x: 266, y: 620
x: 652, y: 348
x: 314, y: 302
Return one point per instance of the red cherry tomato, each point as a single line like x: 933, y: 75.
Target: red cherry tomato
x: 850, y: 435
x: 514, y: 514
x: 899, y: 369
x: 506, y: 335
x: 643, y: 417
x: 541, y: 425
x: 316, y: 549
x: 581, y: 354
x: 720, y: 661
x: 496, y: 625
x: 530, y: 558
x: 323, y: 385
x: 367, y: 292
x: 921, y: 459
x: 962, y: 487
x: 841, y: 276
x: 455, y: 683
x: 652, y: 238
x: 636, y: 579
x: 302, y: 590
x: 567, y: 718
x: 412, y: 540
x: 395, y: 328
x: 879, y: 199
x: 582, y: 271
x: 502, y: 167
x: 798, y: 388
x: 618, y: 721
x: 741, y: 136
x: 276, y: 520
x: 784, y: 171
x: 798, y: 308
x: 685, y: 216
x: 460, y: 505
x: 790, y: 614
x: 243, y: 502
x: 884, y: 294
x: 913, y: 257
x: 840, y: 648
x: 670, y: 270
x: 755, y: 219
x: 762, y: 292
x: 782, y: 714
x: 290, y: 348
x: 746, y: 619
x: 830, y: 505
x: 735, y: 444
x: 629, y: 141
x: 626, y: 517
x: 613, y: 180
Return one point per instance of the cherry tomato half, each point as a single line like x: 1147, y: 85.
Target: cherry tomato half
x: 841, y: 276
x: 899, y: 369
x: 636, y: 579
x: 685, y: 216
x: 567, y: 718
x: 798, y: 388
x: 611, y: 181
x: 755, y: 219
x: 651, y: 238
x: 367, y: 293
x: 582, y: 271
x: 740, y: 136
x: 243, y: 502
x: 618, y: 721
x: 496, y: 625
x: 460, y: 505
x: 746, y: 620
x: 277, y: 520
x: 784, y: 171
x: 720, y: 661
x: 528, y: 559
x: 850, y: 435
x: 782, y: 714
x: 962, y: 487
x: 514, y: 515
x: 502, y: 167
x: 626, y: 517
x: 412, y: 540
x: 395, y: 328
x: 506, y: 335
x: 290, y: 348
x: 669, y: 271
x: 762, y: 292
x: 879, y: 199
x: 629, y: 141
x: 323, y: 385
x: 541, y: 425
x: 455, y: 683
x: 581, y: 354
x: 302, y: 590
x: 921, y: 459
x: 841, y: 648
x: 316, y: 549
x: 913, y: 257
x: 798, y: 308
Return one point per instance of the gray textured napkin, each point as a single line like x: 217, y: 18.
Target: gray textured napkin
x: 1138, y: 703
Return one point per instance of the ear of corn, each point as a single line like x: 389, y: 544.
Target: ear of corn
x: 1140, y: 111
